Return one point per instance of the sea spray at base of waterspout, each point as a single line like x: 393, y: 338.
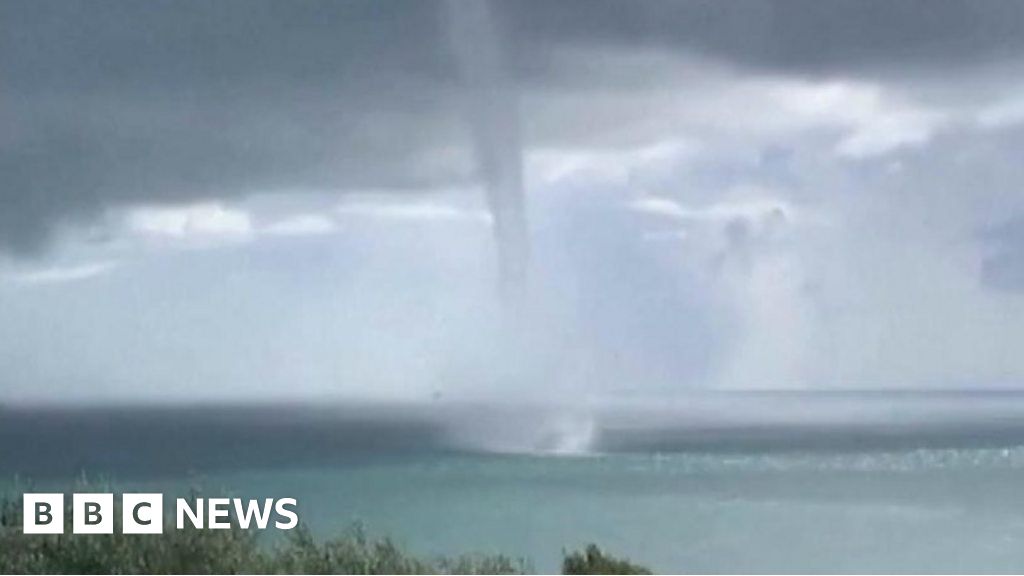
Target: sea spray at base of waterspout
x: 526, y: 429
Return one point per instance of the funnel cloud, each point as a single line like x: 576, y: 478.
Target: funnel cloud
x: 494, y: 119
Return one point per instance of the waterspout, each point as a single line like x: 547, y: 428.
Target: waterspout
x: 494, y: 119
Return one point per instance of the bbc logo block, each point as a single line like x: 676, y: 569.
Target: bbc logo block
x: 142, y: 513
x: 93, y: 513
x: 43, y: 514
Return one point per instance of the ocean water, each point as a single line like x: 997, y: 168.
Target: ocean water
x: 942, y: 499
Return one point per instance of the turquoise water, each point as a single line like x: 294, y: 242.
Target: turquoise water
x: 954, y: 510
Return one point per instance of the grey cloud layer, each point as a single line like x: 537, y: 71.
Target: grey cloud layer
x: 110, y: 103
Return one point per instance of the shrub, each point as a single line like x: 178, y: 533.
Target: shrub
x: 592, y: 561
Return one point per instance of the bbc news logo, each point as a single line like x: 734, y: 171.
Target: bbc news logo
x: 94, y: 513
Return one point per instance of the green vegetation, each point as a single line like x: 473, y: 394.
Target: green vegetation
x: 592, y: 561
x: 236, y: 551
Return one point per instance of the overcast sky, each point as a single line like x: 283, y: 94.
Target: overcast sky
x: 248, y: 199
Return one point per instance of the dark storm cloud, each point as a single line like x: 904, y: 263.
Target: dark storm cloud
x: 110, y: 103
x: 831, y: 36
